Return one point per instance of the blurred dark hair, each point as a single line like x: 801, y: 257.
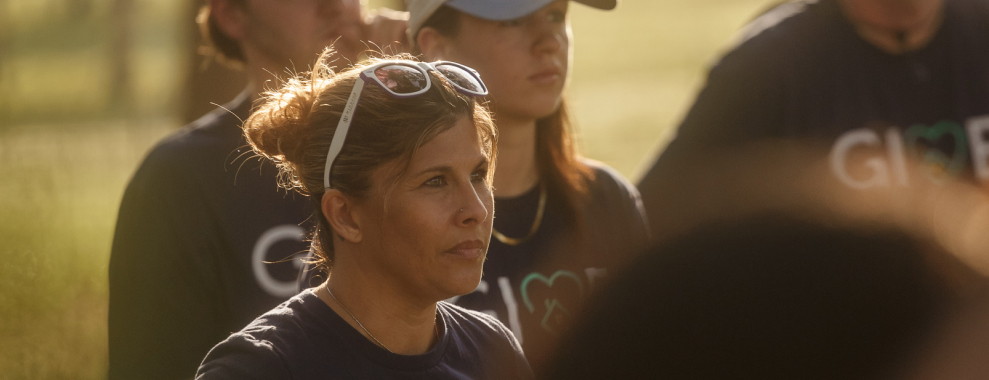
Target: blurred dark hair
x: 764, y: 297
x: 218, y: 45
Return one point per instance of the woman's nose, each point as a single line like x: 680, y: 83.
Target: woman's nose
x: 475, y: 207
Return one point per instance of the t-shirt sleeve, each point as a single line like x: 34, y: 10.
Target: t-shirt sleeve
x: 624, y: 221
x: 634, y: 213
x: 522, y: 370
x: 164, y: 308
x: 242, y: 356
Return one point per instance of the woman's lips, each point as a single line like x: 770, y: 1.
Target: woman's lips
x: 468, y: 249
x: 551, y: 76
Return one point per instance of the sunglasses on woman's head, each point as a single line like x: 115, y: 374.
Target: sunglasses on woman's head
x: 401, y: 79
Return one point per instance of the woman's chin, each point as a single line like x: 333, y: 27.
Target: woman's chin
x: 465, y: 284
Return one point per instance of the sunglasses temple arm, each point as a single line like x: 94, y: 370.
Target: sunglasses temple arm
x: 336, y: 144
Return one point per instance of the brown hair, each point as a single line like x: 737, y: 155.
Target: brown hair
x: 294, y: 125
x: 219, y: 46
x: 557, y: 158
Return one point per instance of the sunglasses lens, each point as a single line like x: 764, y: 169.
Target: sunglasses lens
x: 462, y: 78
x: 400, y: 79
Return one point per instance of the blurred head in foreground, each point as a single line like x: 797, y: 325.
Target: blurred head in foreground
x: 774, y: 297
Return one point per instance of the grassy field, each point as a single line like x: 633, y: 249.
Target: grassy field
x: 66, y: 152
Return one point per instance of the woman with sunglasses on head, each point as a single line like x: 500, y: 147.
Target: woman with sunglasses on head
x: 397, y: 157
x: 562, y: 221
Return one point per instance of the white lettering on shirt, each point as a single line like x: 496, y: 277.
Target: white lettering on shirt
x: 273, y: 235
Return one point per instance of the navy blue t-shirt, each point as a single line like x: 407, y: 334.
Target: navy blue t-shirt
x: 204, y: 244
x: 801, y: 71
x: 304, y: 338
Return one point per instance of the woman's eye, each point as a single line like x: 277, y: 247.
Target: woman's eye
x: 436, y: 181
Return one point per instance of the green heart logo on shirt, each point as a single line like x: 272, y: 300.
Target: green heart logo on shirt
x: 555, y: 313
x: 925, y: 142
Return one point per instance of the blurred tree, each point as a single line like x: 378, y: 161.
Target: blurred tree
x: 79, y: 8
x: 5, y: 32
x: 121, y: 16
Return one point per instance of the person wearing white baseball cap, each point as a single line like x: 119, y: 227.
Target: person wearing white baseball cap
x: 562, y: 220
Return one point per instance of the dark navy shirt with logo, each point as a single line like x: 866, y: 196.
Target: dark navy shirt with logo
x: 801, y: 71
x: 197, y: 224
x: 305, y: 339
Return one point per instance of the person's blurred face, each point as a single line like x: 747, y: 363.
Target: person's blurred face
x: 291, y: 33
x: 524, y: 62
x: 428, y: 231
x: 892, y: 15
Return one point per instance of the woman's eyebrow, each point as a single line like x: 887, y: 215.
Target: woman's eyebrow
x: 444, y: 168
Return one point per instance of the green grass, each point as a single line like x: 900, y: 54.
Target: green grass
x: 59, y: 203
x: 65, y: 162
x: 638, y: 68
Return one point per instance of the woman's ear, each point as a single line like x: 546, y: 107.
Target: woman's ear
x: 230, y: 17
x: 342, y: 214
x: 432, y: 44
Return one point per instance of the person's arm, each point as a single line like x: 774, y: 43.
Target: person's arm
x: 165, y: 303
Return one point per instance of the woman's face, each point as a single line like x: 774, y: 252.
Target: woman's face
x: 428, y: 230
x: 524, y: 62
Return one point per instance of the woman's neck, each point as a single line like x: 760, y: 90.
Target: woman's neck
x: 517, y: 171
x: 386, y: 317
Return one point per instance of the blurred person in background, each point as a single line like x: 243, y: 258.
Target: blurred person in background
x: 397, y: 158
x: 877, y: 82
x: 563, y: 221
x: 784, y: 296
x: 204, y: 240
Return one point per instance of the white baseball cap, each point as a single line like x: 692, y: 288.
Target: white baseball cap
x: 496, y: 10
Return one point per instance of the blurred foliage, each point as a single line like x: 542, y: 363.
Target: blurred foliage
x: 58, y: 210
x: 67, y: 148
x: 57, y: 62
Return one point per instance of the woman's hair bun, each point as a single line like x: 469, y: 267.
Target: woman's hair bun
x: 277, y: 129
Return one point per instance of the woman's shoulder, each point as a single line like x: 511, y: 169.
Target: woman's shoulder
x: 475, y: 325
x: 243, y: 355
x: 613, y: 208
x: 294, y: 316
x: 471, y: 330
x: 475, y: 318
x: 267, y: 346
x: 605, y: 181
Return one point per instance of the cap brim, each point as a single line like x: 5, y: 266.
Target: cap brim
x: 502, y: 10
x: 600, y: 4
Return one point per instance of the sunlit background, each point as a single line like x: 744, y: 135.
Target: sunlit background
x: 87, y: 86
